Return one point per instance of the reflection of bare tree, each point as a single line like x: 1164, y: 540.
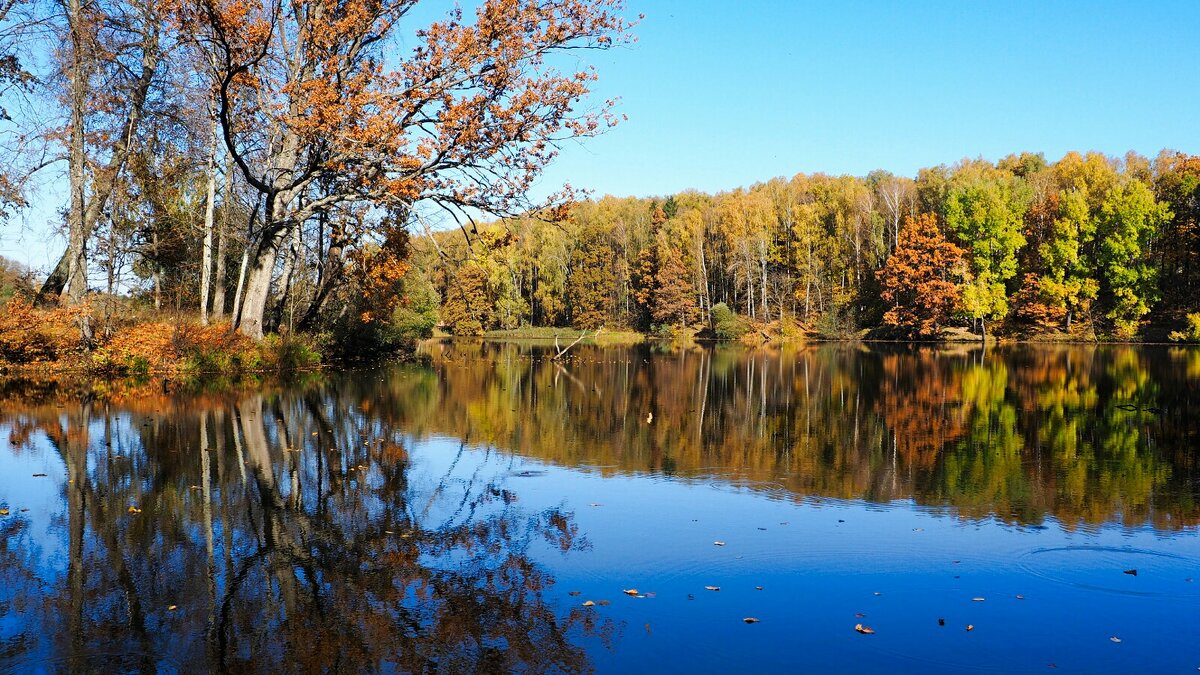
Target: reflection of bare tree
x: 315, y: 561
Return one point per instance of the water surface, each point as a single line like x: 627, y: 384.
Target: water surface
x: 455, y: 515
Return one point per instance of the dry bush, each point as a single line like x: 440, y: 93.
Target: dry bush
x: 30, y: 336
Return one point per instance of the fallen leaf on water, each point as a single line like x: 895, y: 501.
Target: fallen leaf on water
x: 604, y: 602
x: 1131, y: 572
x: 134, y: 509
x: 918, y: 529
x: 39, y: 475
x: 712, y: 588
x: 1020, y: 597
x: 859, y: 614
x: 956, y: 562
x: 573, y: 593
x: 588, y: 603
x: 978, y: 599
x: 314, y: 433
x: 941, y: 622
x: 970, y: 628
x: 718, y: 543
x: 1115, y: 639
x: 750, y: 619
x: 877, y: 593
x: 630, y: 591
x: 595, y: 504
x: 170, y: 608
x: 648, y: 629
x: 758, y: 588
x: 3, y: 512
x: 865, y: 630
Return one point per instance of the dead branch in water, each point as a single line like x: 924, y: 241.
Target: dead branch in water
x: 564, y: 350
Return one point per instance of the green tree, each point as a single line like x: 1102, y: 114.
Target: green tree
x: 1130, y: 219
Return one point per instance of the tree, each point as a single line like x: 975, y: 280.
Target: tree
x: 985, y: 209
x: 1130, y: 219
x: 917, y: 280
x: 591, y: 284
x: 466, y: 121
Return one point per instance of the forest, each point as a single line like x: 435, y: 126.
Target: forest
x: 1088, y: 247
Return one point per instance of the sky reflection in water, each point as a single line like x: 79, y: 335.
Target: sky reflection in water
x: 440, y: 515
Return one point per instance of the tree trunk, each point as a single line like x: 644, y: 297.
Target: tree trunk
x: 76, y: 277
x: 258, y: 285
x: 209, y: 214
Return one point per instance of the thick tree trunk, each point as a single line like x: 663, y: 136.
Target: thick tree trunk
x: 76, y: 278
x: 258, y: 285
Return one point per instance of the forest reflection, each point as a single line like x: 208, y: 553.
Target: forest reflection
x: 284, y: 528
x: 1085, y: 434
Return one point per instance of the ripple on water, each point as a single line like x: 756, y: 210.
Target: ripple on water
x: 1105, y: 569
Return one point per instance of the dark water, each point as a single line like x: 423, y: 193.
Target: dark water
x: 455, y: 516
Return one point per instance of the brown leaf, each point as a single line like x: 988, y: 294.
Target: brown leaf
x: 712, y: 588
x: 3, y: 512
x: 588, y: 603
x: 170, y: 608
x: 865, y: 630
x: 630, y: 591
x: 134, y: 509
x: 750, y: 619
x: 978, y: 599
x: 604, y: 602
x: 573, y: 593
x: 970, y: 628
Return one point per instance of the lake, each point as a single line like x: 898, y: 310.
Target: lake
x: 623, y: 509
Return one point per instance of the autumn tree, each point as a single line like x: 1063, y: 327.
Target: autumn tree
x: 1129, y: 223
x: 591, y: 284
x: 917, y: 281
x: 313, y: 117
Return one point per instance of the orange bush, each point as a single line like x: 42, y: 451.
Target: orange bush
x: 29, y: 335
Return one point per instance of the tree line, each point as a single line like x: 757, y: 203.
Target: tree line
x: 1087, y: 245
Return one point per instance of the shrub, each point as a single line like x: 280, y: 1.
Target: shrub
x: 29, y: 335
x: 1189, y: 334
x: 726, y: 323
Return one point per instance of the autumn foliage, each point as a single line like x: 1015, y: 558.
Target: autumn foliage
x: 918, y: 280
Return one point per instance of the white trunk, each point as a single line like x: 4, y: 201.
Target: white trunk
x: 209, y: 212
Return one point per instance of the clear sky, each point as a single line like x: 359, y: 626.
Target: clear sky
x: 721, y: 94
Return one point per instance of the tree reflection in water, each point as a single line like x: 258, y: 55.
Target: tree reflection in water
x: 275, y: 533
x: 287, y: 528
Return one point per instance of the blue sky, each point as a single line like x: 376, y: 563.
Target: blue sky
x: 723, y: 94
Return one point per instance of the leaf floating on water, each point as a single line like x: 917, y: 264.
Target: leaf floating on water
x: 39, y: 475
x: 630, y: 591
x: 877, y: 593
x: 648, y: 629
x: 1020, y: 597
x: 1131, y: 572
x: 595, y: 504
x: 718, y: 543
x: 978, y: 599
x: 3, y: 512
x: 956, y: 562
x: 750, y: 619
x: 588, y: 603
x: 1115, y: 639
x: 970, y: 627
x: 865, y: 630
x: 758, y: 588
x: 604, y: 602
x: 170, y: 608
x: 712, y: 588
x: 573, y: 593
x: 859, y: 615
x: 941, y: 622
x: 133, y: 509
x: 918, y: 529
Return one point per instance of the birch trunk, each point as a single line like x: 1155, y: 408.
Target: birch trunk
x: 209, y: 213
